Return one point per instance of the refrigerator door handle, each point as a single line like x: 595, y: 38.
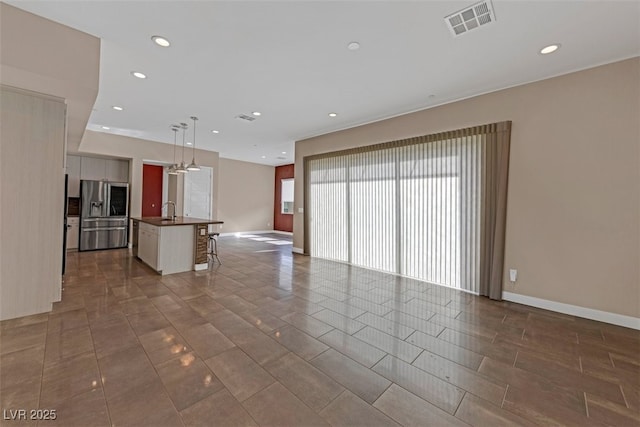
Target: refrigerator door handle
x: 104, y: 229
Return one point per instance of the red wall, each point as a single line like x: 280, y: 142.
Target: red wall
x: 282, y: 222
x: 151, y: 190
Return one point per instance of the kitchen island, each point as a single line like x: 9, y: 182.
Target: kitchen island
x: 172, y: 245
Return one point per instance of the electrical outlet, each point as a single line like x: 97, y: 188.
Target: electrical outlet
x: 203, y: 232
x: 513, y: 275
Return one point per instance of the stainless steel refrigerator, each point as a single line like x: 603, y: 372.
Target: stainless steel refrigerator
x: 104, y: 215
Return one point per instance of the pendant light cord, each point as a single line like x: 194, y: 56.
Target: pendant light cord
x: 175, y: 142
x: 184, y: 132
x: 194, y: 118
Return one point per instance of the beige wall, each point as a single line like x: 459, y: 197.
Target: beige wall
x: 246, y: 196
x: 50, y: 58
x: 573, y: 214
x: 140, y: 151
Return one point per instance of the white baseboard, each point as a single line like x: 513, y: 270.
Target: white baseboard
x: 574, y: 310
x: 297, y: 251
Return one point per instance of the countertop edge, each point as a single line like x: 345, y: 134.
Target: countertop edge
x: 159, y: 222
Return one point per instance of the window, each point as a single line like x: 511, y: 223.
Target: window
x: 287, y: 196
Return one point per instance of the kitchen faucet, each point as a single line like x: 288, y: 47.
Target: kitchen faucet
x: 173, y: 217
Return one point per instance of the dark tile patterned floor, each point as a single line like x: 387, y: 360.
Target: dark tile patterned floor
x: 271, y: 338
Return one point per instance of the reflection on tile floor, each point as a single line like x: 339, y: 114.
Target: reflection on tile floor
x: 271, y: 338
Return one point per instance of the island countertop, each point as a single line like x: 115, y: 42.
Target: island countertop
x: 159, y: 221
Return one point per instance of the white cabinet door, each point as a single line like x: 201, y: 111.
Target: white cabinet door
x: 148, y: 247
x: 73, y: 170
x: 73, y: 233
x: 93, y: 169
x: 117, y: 170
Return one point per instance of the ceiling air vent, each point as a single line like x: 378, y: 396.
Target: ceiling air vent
x: 245, y: 117
x: 470, y: 18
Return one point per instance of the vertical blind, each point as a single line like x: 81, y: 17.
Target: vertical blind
x: 413, y: 207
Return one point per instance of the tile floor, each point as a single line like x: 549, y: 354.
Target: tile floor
x: 274, y: 339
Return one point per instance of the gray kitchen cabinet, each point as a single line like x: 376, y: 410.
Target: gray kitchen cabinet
x: 92, y: 168
x: 117, y: 170
x: 73, y: 171
x: 96, y: 169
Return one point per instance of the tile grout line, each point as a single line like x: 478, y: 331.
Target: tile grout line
x: 504, y: 397
x: 147, y: 355
x: 586, y: 403
x: 459, y: 403
x: 44, y: 357
x: 611, y: 360
x: 104, y: 394
x: 624, y: 396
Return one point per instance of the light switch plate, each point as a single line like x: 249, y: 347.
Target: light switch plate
x: 300, y: 210
x: 203, y: 232
x: 513, y: 275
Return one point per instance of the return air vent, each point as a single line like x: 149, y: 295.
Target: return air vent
x: 470, y: 18
x: 245, y: 117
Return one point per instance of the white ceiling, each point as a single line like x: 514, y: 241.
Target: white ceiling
x: 289, y: 60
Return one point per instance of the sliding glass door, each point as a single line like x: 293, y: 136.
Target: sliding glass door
x: 415, y: 208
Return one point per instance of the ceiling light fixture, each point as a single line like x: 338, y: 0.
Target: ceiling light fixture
x: 333, y: 114
x: 193, y: 166
x: 264, y: 157
x: 106, y: 127
x: 257, y: 113
x: 138, y: 74
x: 549, y: 49
x: 284, y: 152
x: 353, y: 46
x: 115, y: 107
x: 215, y: 131
x: 161, y: 41
x: 173, y: 168
x: 182, y: 168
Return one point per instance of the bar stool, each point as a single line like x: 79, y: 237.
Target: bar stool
x: 213, y: 246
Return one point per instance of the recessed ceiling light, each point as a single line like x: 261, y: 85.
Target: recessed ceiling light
x: 189, y: 143
x: 333, y: 114
x: 215, y: 131
x: 264, y: 157
x: 161, y: 41
x: 284, y: 152
x: 138, y: 74
x: 115, y: 107
x: 549, y: 49
x: 353, y: 46
x: 106, y: 127
x: 257, y: 113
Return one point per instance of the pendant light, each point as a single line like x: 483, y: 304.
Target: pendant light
x: 182, y: 168
x: 193, y: 166
x: 172, y: 169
